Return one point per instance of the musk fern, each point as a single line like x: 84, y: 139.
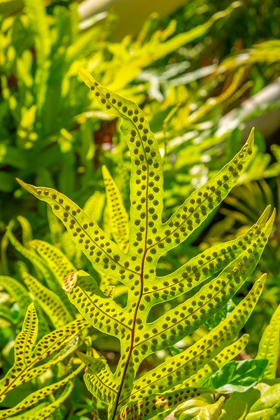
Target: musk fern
x: 132, y: 257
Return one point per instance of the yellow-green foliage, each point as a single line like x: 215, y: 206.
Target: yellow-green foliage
x: 135, y: 265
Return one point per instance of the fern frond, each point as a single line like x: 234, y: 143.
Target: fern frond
x: 185, y: 364
x: 53, y: 265
x: 219, y: 361
x: 188, y: 316
x: 21, y: 296
x: 201, y: 203
x: 203, y: 266
x: 37, y: 396
x: 117, y: 212
x: 17, y: 291
x: 158, y: 406
x: 135, y: 266
x: 49, y: 301
x: 97, y: 308
x: 99, y: 378
x: 86, y: 234
x: 54, y: 259
x: 27, y: 355
x: 94, y: 206
x: 27, y: 234
x: 269, y: 345
x: 38, y: 263
x: 56, y: 229
x: 3, y: 252
x: 50, y: 408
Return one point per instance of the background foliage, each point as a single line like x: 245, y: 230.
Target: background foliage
x: 204, y: 76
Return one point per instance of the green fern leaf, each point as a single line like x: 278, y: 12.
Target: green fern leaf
x: 38, y: 263
x: 47, y: 411
x: 49, y: 301
x: 99, y: 310
x: 102, y: 385
x: 30, y: 413
x: 17, y: 291
x: 87, y: 235
x: 56, y: 229
x: 93, y: 364
x: 27, y: 234
x: 187, y: 362
x: 187, y: 316
x: 158, y: 406
x: 98, y: 377
x: 55, y: 260
x: 269, y: 345
x: 94, y: 409
x: 229, y: 353
x: 94, y: 206
x: 4, y: 262
x: 51, y: 263
x: 27, y: 355
x: 37, y: 396
x: 117, y: 212
x: 134, y: 263
x: 203, y: 266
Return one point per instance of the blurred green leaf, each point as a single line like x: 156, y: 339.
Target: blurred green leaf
x: 238, y: 376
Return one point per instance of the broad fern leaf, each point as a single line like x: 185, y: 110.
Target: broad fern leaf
x: 21, y: 296
x: 132, y: 257
x: 200, y: 268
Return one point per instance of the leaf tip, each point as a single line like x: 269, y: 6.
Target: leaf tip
x: 22, y: 183
x: 262, y: 279
x: 87, y: 78
x: 273, y: 214
x: 31, y: 307
x: 28, y: 187
x: 245, y: 338
x: 263, y: 218
x: 105, y: 171
x: 270, y: 221
x: 251, y: 138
